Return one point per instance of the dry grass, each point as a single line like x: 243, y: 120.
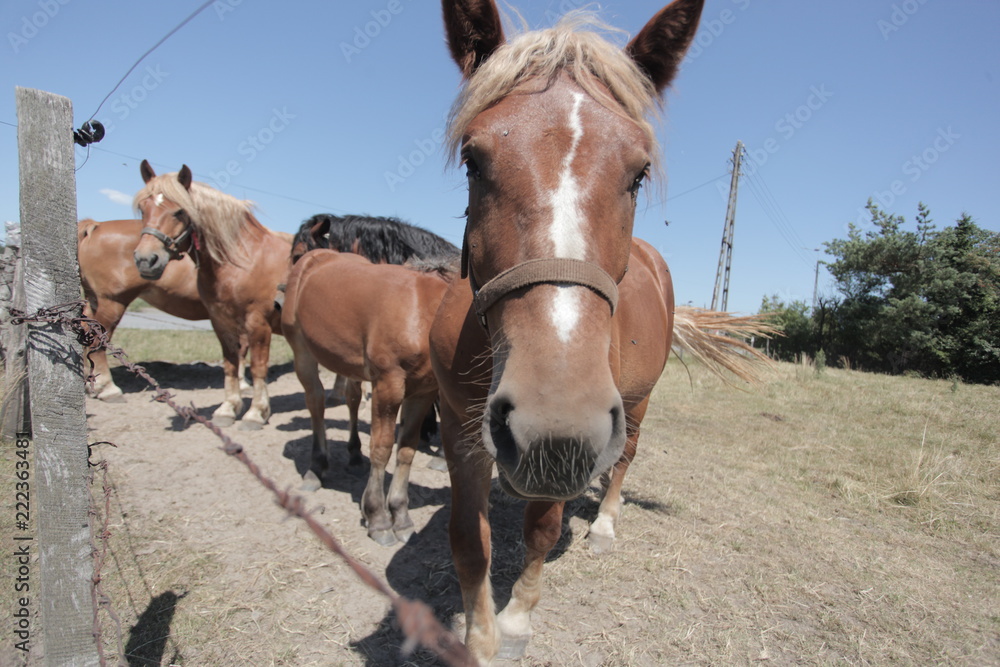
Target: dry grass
x: 833, y: 518
x: 839, y: 518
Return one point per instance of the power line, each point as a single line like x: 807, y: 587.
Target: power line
x: 330, y: 209
x: 777, y: 206
x: 150, y: 50
x: 769, y: 212
x: 697, y: 187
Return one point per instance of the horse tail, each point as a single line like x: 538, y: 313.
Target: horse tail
x: 85, y: 228
x: 716, y: 339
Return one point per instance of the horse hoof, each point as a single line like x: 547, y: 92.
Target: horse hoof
x: 385, y: 538
x: 310, y: 482
x: 512, y: 648
x: 250, y: 425
x: 112, y: 397
x: 438, y: 463
x: 404, y: 534
x: 223, y: 421
x: 601, y: 544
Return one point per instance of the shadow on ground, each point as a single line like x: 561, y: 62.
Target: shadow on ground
x: 422, y: 570
x: 147, y: 640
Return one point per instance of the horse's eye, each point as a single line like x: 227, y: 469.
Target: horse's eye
x: 471, y: 168
x: 637, y: 181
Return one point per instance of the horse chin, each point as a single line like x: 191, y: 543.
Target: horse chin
x: 552, y: 473
x: 153, y: 274
x: 510, y: 489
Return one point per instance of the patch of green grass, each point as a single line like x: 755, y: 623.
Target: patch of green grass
x: 182, y: 347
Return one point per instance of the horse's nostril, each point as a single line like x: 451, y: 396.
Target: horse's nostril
x: 500, y: 411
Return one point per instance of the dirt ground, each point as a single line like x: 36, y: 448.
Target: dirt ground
x: 745, y: 538
x: 209, y: 571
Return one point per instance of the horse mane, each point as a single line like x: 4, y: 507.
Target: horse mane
x: 445, y: 267
x: 220, y: 219
x: 379, y: 239
x: 573, y: 47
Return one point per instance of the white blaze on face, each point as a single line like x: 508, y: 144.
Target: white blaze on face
x: 566, y: 232
x: 158, y: 199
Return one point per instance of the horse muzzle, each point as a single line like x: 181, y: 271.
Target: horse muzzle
x: 541, y: 457
x: 151, y: 264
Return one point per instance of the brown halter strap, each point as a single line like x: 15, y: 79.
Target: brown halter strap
x: 173, y: 245
x: 558, y: 270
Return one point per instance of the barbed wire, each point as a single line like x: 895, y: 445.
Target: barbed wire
x: 416, y: 619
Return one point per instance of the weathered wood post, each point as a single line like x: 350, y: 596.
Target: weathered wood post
x: 13, y: 408
x: 60, y: 496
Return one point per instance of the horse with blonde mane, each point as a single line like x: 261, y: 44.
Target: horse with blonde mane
x: 240, y: 264
x: 548, y: 350
x: 111, y: 282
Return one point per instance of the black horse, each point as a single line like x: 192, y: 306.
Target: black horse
x: 381, y: 240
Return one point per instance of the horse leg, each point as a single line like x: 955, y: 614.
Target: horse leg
x: 108, y: 313
x: 601, y: 536
x: 338, y: 392
x: 387, y: 395
x: 307, y: 370
x: 226, y: 413
x: 260, y: 405
x: 542, y: 528
x: 352, y: 392
x: 469, y: 535
x: 413, y: 410
x: 244, y: 385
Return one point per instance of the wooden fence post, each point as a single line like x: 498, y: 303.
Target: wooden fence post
x: 14, y: 402
x: 60, y: 492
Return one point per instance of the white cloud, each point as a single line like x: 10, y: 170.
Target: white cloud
x: 117, y: 197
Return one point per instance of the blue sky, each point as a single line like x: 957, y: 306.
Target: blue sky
x: 306, y: 107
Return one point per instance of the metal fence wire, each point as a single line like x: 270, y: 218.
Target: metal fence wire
x: 416, y: 619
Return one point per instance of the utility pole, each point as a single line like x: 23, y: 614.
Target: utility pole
x: 720, y: 294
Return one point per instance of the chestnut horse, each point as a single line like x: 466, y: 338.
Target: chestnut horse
x: 111, y: 282
x: 240, y: 265
x: 367, y: 322
x: 547, y: 354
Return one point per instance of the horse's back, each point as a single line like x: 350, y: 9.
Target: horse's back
x: 342, y: 306
x: 644, y: 320
x: 108, y: 271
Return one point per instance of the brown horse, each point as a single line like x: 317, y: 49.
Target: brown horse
x: 368, y: 322
x: 240, y: 265
x: 111, y: 282
x: 546, y: 357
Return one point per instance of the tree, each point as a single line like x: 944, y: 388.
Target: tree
x: 793, y: 322
x: 924, y: 300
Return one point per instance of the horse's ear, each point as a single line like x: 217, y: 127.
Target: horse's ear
x: 184, y: 177
x: 660, y: 46
x: 474, y: 32
x: 147, y: 172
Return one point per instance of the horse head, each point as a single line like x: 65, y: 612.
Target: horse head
x: 552, y: 130
x: 167, y: 226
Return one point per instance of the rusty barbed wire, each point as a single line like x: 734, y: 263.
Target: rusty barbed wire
x: 416, y: 619
x: 100, y: 598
